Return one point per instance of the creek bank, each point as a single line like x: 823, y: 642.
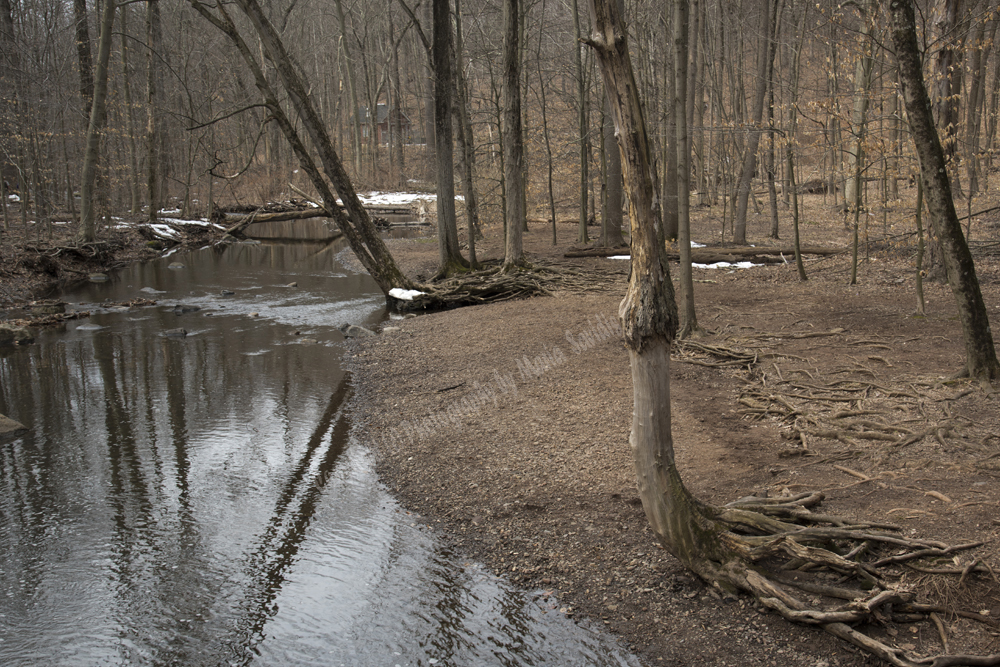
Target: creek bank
x: 506, y: 427
x: 536, y: 479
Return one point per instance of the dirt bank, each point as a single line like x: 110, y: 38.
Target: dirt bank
x: 506, y: 426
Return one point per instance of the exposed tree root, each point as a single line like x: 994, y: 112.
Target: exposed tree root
x: 854, y: 579
x: 491, y: 284
x: 844, y: 576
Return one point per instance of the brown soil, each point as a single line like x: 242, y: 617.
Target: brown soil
x: 533, y: 474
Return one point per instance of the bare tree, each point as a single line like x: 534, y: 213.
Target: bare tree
x: 513, y: 142
x: 98, y: 117
x: 980, y: 354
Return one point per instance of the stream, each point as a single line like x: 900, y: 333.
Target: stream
x: 202, y: 499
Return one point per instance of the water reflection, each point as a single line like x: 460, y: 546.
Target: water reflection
x: 200, y: 500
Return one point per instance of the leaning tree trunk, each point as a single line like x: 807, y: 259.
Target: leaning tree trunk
x: 980, y: 354
x: 356, y: 224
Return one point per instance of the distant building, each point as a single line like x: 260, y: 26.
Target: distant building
x: 385, y: 125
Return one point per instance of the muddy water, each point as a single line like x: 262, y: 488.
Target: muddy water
x: 201, y: 499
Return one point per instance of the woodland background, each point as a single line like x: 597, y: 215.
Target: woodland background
x: 185, y: 126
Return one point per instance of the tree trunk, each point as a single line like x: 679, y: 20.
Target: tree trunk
x: 450, y: 256
x: 356, y: 225
x: 584, y: 132
x: 648, y: 315
x: 398, y: 157
x: 689, y: 319
x: 981, y: 359
x: 765, y: 57
x: 467, y: 145
x: 793, y: 111
x: 154, y: 39
x: 949, y: 84
x: 859, y: 115
x: 98, y: 116
x: 611, y: 221
x: 83, y: 56
x: 668, y: 205
x: 545, y: 124
x: 352, y: 87
x: 135, y: 191
x: 513, y: 144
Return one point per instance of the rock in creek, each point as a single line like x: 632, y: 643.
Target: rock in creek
x: 175, y: 333
x: 10, y: 428
x: 181, y: 309
x: 354, y: 331
x: 14, y: 335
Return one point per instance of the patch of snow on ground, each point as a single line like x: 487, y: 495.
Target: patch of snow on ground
x: 396, y: 198
x: 404, y: 294
x: 620, y: 257
x: 163, y: 230
x: 726, y: 265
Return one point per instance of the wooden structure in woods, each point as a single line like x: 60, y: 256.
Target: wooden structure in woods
x: 385, y: 125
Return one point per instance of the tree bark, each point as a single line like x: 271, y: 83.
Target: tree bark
x: 689, y: 318
x: 611, y: 221
x: 450, y: 256
x: 648, y: 315
x: 584, y: 131
x: 859, y: 114
x: 980, y: 354
x: 766, y: 56
x: 84, y: 59
x: 513, y: 143
x: 98, y: 117
x: 135, y: 191
x: 352, y: 87
x: 467, y: 145
x: 154, y: 39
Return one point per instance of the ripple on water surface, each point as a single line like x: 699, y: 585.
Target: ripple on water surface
x: 199, y: 500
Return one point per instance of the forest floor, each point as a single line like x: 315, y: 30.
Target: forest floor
x: 846, y: 391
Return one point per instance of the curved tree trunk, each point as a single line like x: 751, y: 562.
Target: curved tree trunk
x: 980, y: 354
x: 648, y: 315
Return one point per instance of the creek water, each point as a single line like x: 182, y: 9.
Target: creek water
x: 204, y: 500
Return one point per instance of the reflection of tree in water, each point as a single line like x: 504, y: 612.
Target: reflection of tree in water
x: 29, y: 500
x: 294, y: 510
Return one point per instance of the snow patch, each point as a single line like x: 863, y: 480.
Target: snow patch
x: 726, y: 265
x: 404, y: 294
